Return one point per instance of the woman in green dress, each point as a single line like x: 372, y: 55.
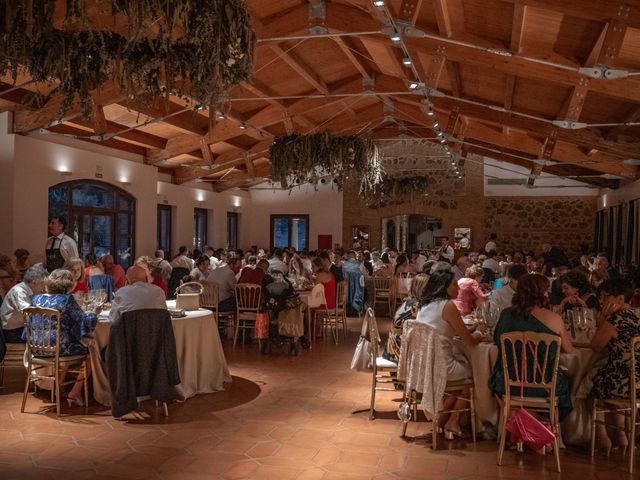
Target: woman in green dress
x: 530, y: 313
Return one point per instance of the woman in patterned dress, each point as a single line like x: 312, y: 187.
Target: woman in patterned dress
x: 621, y: 324
x: 74, y: 323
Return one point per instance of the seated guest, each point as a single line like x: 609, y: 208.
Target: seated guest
x: 329, y: 260
x: 470, y: 295
x: 418, y: 259
x: 256, y: 274
x: 490, y: 262
x: 21, y: 263
x: 501, y: 298
x: 114, y: 270
x: 161, y: 263
x: 603, y: 265
x: 621, y: 324
x: 577, y: 292
x: 306, y: 261
x: 138, y: 294
x: 158, y: 280
x: 76, y: 266
x: 92, y: 266
x: 146, y: 263
x: 181, y: 260
x: 96, y: 278
x: 328, y: 280
x: 407, y: 311
x: 376, y: 262
x: 439, y: 312
x: 19, y: 298
x: 460, y: 267
x: 530, y: 313
x: 276, y: 264
x: 75, y: 324
x: 201, y: 270
x: 225, y: 277
x: 297, y: 269
x: 8, y: 275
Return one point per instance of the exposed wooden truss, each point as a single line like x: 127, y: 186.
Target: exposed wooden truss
x: 504, y: 85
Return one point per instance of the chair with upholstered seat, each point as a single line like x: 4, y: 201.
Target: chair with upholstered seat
x: 42, y: 325
x: 541, y: 373
x: 383, y: 371
x: 627, y: 406
x: 418, y: 371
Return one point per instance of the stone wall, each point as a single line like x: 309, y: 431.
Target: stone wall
x: 526, y: 223
x: 523, y: 223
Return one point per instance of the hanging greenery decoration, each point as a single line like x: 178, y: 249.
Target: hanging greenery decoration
x: 397, y: 190
x: 297, y: 159
x: 193, y: 48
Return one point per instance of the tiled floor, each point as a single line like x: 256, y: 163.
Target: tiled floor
x: 283, y: 417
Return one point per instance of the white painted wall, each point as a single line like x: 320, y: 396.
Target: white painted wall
x: 610, y: 198
x: 545, y: 184
x: 323, y: 206
x: 30, y: 165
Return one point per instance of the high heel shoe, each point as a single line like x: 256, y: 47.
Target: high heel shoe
x: 622, y: 442
x: 452, y: 435
x: 604, y: 443
x: 75, y: 401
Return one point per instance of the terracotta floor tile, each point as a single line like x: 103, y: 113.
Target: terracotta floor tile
x: 281, y: 418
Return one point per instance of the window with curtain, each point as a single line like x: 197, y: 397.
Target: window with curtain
x: 232, y: 230
x: 290, y: 231
x: 200, y: 227
x: 164, y: 229
x: 100, y: 217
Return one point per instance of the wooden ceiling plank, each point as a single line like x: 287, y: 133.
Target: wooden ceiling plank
x: 409, y: 11
x: 292, y: 59
x: 594, y: 54
x: 112, y: 142
x: 453, y: 70
x: 575, y: 101
x: 349, y: 48
x: 614, y: 36
x: 126, y: 133
x: 189, y: 121
x: 98, y: 120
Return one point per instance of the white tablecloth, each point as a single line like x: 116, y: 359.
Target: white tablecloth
x: 201, y: 361
x: 576, y: 428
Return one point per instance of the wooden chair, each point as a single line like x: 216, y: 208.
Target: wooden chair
x: 209, y: 300
x: 248, y: 298
x: 543, y: 376
x: 14, y: 357
x: 42, y: 355
x: 627, y: 406
x: 412, y: 360
x: 383, y: 371
x: 382, y: 291
x: 333, y: 319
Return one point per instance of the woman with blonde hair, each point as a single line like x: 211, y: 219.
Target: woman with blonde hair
x: 76, y: 266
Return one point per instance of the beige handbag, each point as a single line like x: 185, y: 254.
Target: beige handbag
x: 190, y: 299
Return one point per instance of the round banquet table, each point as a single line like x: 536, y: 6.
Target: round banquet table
x: 579, y: 366
x: 201, y: 361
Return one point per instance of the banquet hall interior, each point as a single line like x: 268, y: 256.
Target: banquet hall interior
x: 255, y: 239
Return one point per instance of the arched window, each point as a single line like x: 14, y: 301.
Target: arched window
x: 99, y: 216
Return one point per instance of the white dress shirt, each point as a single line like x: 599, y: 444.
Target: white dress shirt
x: 226, y: 281
x: 67, y: 245
x: 447, y: 252
x: 183, y: 262
x: 501, y: 298
x: 17, y: 299
x: 490, y: 246
x: 163, y: 265
x: 139, y: 296
x: 279, y: 265
x: 491, y: 264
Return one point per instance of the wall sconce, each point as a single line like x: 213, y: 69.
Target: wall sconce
x: 125, y: 183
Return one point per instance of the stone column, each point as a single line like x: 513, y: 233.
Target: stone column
x: 383, y: 236
x: 398, y: 220
x: 405, y: 232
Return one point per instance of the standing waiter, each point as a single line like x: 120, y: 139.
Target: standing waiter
x: 60, y: 246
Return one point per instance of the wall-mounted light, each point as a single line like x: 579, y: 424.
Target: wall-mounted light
x: 200, y: 196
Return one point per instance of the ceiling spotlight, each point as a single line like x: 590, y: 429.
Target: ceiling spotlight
x: 406, y: 62
x: 395, y: 38
x: 443, y: 140
x: 201, y: 107
x: 436, y: 125
x: 378, y: 3
x: 221, y: 115
x: 243, y: 126
x: 414, y: 85
x: 431, y: 113
x: 440, y: 134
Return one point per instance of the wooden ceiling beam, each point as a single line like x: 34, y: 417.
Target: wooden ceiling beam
x: 588, y: 138
x: 601, y: 10
x: 356, y: 58
x: 443, y: 18
x: 123, y: 132
x: 518, y: 27
x: 170, y: 113
x: 286, y: 53
x: 409, y: 11
x: 81, y: 135
x: 613, y: 38
x: 453, y: 70
x: 575, y: 101
x: 385, y: 56
x: 627, y: 89
x: 509, y: 92
x: 26, y: 120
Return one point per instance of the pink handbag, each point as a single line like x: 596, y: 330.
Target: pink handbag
x: 524, y: 426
